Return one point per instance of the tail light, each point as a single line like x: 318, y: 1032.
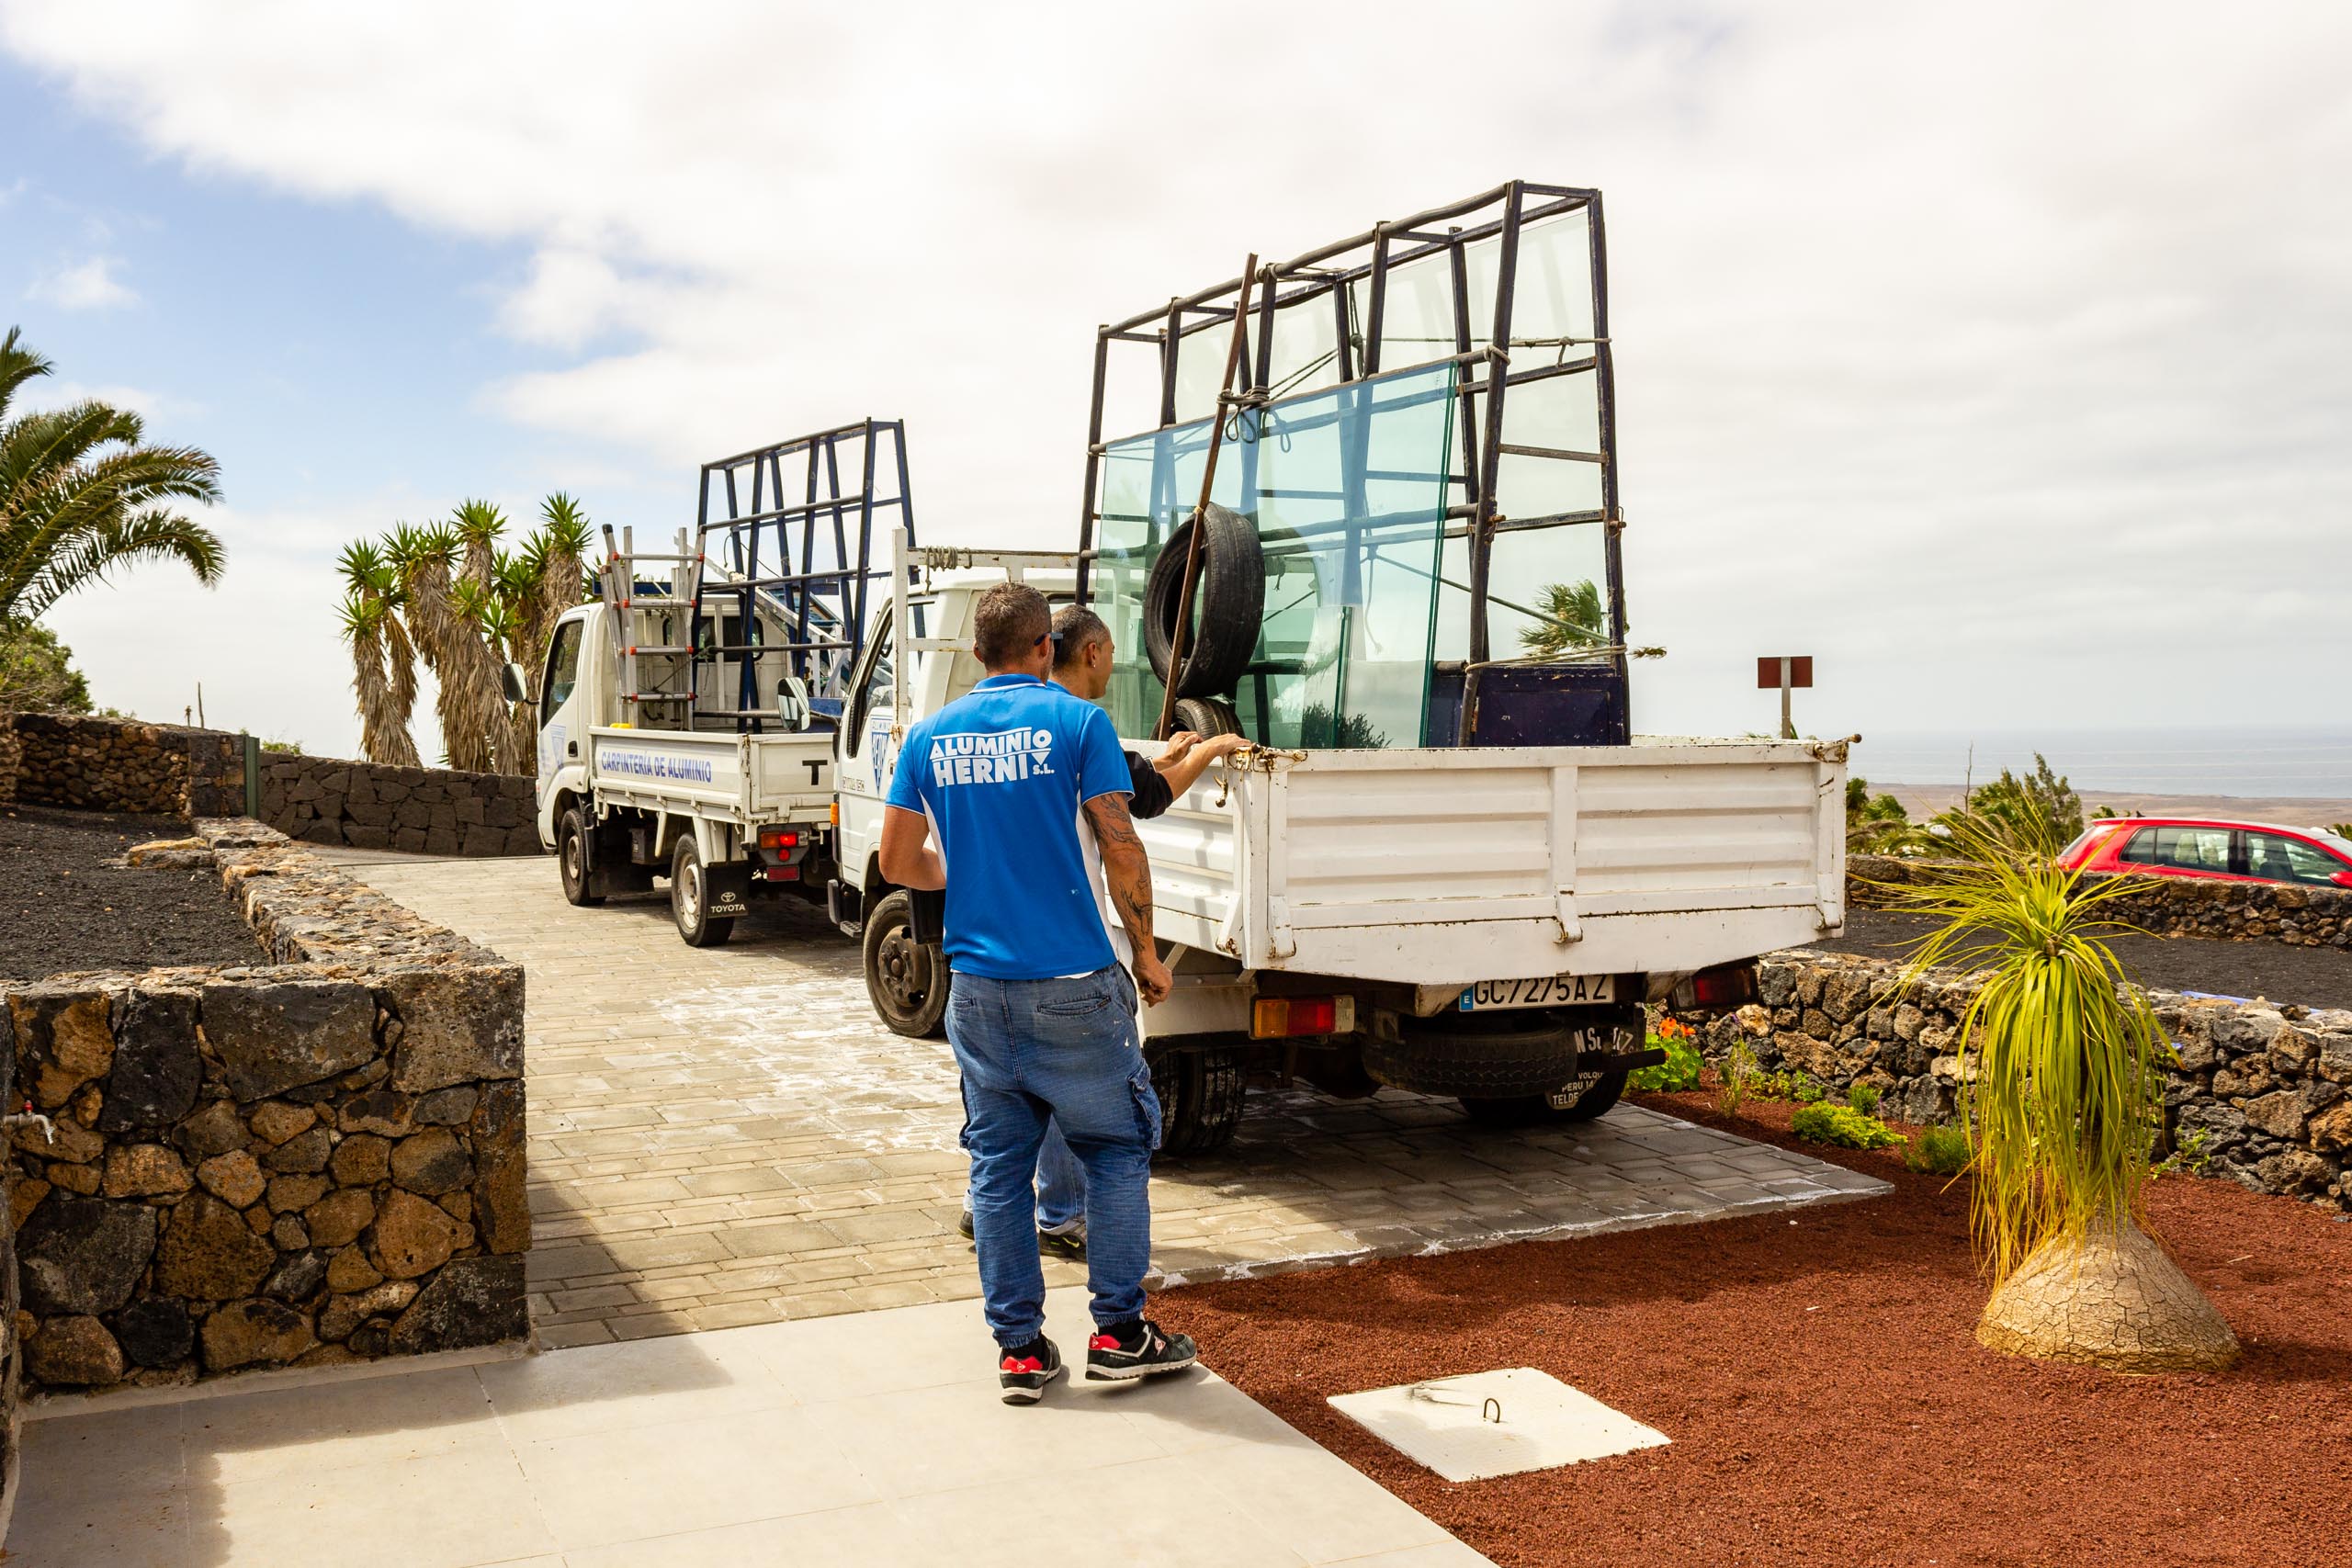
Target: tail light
x: 779, y: 841
x: 1720, y: 989
x: 1277, y: 1018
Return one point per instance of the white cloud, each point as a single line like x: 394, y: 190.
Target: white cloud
x: 88, y: 285
x: 48, y: 392
x: 1983, y: 353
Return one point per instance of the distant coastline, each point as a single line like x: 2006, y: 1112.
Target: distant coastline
x: 2290, y: 811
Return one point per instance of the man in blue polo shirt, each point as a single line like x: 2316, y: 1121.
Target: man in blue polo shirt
x: 1023, y: 788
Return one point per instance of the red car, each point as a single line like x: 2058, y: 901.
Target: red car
x: 2224, y: 851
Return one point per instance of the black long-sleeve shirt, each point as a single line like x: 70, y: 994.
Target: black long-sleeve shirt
x: 1151, y: 794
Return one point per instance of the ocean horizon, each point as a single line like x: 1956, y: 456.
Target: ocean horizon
x: 2253, y: 762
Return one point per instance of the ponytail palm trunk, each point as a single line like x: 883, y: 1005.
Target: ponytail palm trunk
x: 2062, y: 1073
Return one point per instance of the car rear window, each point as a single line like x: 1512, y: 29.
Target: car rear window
x: 2282, y: 859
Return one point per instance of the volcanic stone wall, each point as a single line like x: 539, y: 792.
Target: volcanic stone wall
x: 2259, y: 1093
x: 2168, y: 905
x: 307, y: 1162
x: 425, y: 810
x: 114, y: 765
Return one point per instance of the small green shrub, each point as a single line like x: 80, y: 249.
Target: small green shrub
x: 1843, y: 1126
x: 1940, y: 1150
x: 1863, y: 1098
x: 1678, y: 1071
x: 1739, y: 1077
x: 2190, y: 1156
x: 1804, y: 1091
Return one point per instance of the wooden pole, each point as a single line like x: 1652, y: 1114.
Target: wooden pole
x: 1179, y: 644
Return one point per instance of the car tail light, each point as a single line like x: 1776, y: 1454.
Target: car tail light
x: 1276, y: 1018
x: 1719, y: 990
x: 779, y: 841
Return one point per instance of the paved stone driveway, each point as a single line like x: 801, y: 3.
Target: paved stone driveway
x: 726, y: 1136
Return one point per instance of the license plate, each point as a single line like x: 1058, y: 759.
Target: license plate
x: 1544, y: 991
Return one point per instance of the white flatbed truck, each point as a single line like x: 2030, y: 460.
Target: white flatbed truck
x: 686, y: 717
x: 1479, y: 922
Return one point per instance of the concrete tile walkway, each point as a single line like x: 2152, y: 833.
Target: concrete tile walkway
x: 874, y: 1439
x: 724, y: 1136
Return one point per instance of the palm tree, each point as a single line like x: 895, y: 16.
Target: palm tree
x: 1571, y: 621
x: 426, y: 560
x: 559, y: 542
x: 81, y: 494
x: 2061, y: 1071
x: 383, y: 662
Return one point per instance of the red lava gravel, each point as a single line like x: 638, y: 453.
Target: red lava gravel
x: 1828, y: 1403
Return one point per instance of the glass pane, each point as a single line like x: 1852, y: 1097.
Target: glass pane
x: 1348, y: 489
x: 1552, y: 296
x: 1562, y: 414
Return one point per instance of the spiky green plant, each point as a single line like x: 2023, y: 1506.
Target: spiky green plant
x: 2061, y: 1060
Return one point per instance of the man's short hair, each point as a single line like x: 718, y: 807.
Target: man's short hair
x: 1007, y: 623
x: 1075, y: 625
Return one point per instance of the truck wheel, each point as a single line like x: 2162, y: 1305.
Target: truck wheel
x: 1593, y: 1093
x: 580, y: 887
x: 907, y: 979
x: 1228, y: 603
x: 1496, y: 1055
x: 1200, y: 1098
x: 690, y: 898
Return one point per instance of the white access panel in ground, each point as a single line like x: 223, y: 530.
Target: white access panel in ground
x: 1488, y: 1424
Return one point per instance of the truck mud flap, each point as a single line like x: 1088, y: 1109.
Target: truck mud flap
x: 927, y: 915
x: 1622, y: 1061
x: 727, y: 885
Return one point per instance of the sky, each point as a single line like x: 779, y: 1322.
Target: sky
x: 1996, y: 357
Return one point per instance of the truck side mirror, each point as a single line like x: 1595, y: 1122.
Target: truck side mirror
x: 792, y: 703
x: 2342, y: 879
x: 513, y: 683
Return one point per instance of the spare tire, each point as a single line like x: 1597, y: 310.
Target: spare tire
x: 1228, y: 603
x: 1205, y: 716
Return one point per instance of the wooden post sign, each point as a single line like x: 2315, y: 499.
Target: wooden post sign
x: 1786, y: 671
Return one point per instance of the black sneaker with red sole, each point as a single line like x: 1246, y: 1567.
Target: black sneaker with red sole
x: 1023, y: 1373
x: 1137, y: 1348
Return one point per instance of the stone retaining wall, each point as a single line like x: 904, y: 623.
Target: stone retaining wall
x: 114, y: 765
x: 311, y: 1161
x: 427, y: 810
x: 2265, y: 1086
x: 2168, y: 905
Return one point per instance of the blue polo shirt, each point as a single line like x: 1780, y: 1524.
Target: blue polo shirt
x: 1004, y: 774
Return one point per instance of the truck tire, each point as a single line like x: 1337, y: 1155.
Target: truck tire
x: 906, y: 979
x: 1499, y: 1055
x: 1205, y: 716
x: 581, y: 886
x: 1594, y: 1093
x: 1200, y: 1098
x: 690, y: 898
x: 1228, y: 603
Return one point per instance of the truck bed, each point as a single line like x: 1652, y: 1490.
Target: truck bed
x: 747, y: 779
x: 1443, y: 867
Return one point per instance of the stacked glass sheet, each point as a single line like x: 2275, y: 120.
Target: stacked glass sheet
x: 1348, y: 489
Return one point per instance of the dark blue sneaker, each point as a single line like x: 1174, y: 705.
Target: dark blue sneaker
x: 1137, y: 1348
x: 1023, y: 1373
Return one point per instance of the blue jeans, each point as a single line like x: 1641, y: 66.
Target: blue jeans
x: 1068, y: 1051
x: 1062, y: 1184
